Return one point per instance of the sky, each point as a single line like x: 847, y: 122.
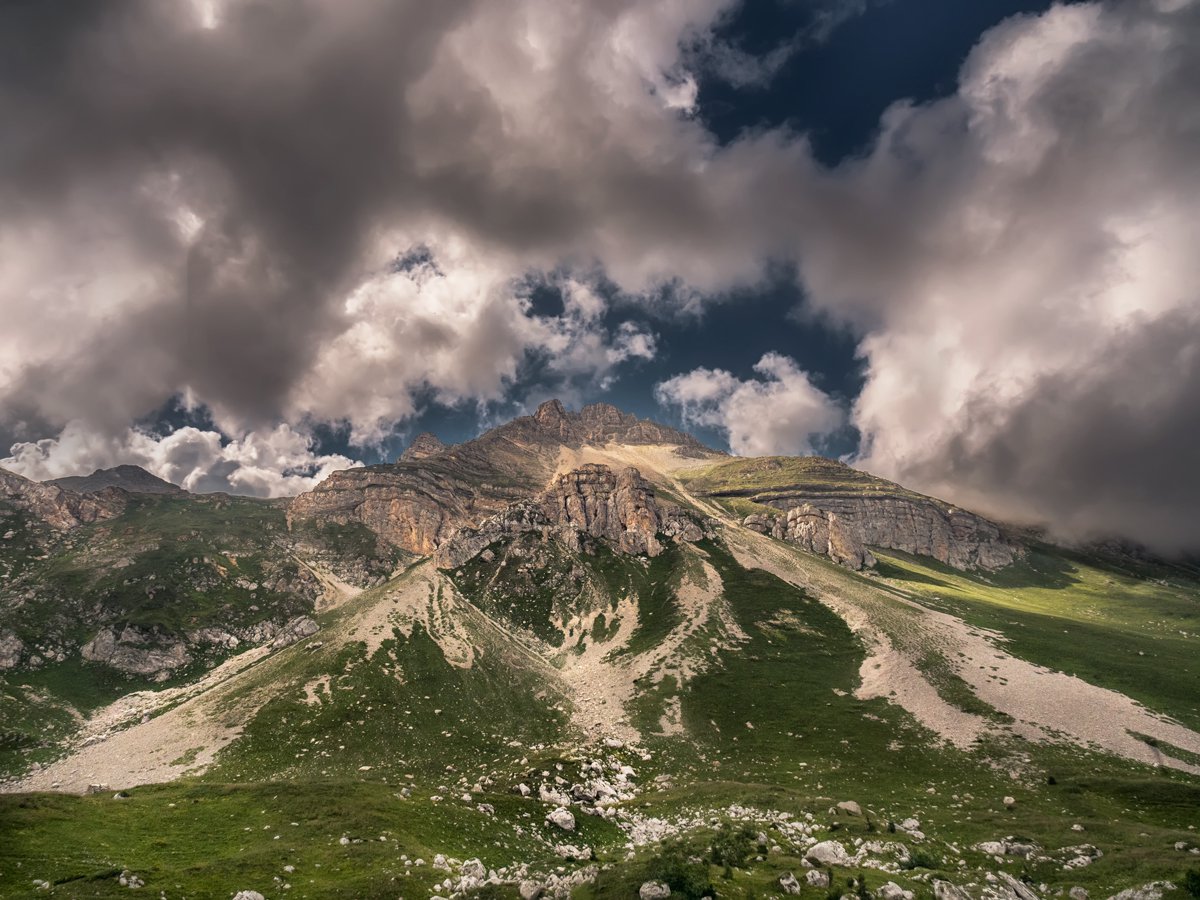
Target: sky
x: 245, y: 243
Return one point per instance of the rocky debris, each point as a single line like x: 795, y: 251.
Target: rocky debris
x: 654, y: 890
x: 58, y: 508
x: 827, y: 853
x: 133, y: 479
x: 136, y: 651
x: 423, y: 446
x: 850, y: 808
x: 944, y: 890
x: 561, y: 818
x: 11, y: 650
x: 248, y: 895
x: 1009, y: 847
x: 789, y: 883
x: 1009, y: 802
x: 1150, y: 891
x: 1080, y: 856
x: 130, y: 880
x: 591, y: 502
x: 1012, y: 889
x: 295, y: 630
x: 1078, y: 893
x: 816, y: 878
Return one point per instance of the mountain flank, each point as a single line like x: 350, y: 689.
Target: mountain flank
x: 134, y: 479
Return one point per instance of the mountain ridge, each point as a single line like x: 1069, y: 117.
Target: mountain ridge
x: 130, y: 478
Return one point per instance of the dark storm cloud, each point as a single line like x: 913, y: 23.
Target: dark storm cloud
x: 207, y: 200
x: 278, y: 129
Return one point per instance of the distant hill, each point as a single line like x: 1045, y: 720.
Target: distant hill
x: 134, y: 479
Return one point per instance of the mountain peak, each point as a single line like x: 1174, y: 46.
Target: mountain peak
x: 131, y: 478
x: 424, y: 445
x: 551, y: 412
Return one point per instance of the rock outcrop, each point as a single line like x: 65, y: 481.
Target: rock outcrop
x: 135, y: 651
x: 58, y: 508
x: 11, y: 650
x: 423, y: 446
x: 418, y: 502
x: 921, y: 526
x: 816, y: 531
x: 592, y: 502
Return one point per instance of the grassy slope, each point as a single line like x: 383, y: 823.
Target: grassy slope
x: 1115, y: 628
x: 174, y: 564
x: 812, y: 743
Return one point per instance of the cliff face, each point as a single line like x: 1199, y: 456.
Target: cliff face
x: 416, y: 503
x: 952, y: 536
x: 412, y: 507
x: 816, y: 531
x: 56, y: 507
x: 592, y: 501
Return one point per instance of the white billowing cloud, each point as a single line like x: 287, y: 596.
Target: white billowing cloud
x: 461, y: 332
x: 783, y: 413
x: 279, y: 463
x: 1021, y: 258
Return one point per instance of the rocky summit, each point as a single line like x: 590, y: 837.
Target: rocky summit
x: 584, y: 655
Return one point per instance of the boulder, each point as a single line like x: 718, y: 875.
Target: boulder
x: 789, y: 883
x: 248, y: 895
x: 828, y: 853
x: 816, y: 878
x: 295, y: 630
x: 850, y: 808
x: 562, y: 818
x: 893, y: 891
x: 654, y: 890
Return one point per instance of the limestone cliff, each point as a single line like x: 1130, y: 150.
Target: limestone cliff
x: 825, y: 503
x: 591, y: 502
x: 952, y: 536
x: 816, y: 531
x: 432, y: 491
x: 58, y: 508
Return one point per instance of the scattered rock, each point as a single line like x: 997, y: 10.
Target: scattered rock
x: 850, y: 808
x: 789, y: 884
x: 817, y: 878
